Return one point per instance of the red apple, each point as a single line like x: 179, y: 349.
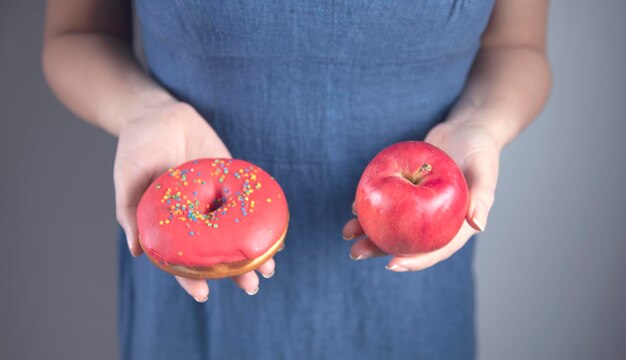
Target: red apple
x: 412, y: 198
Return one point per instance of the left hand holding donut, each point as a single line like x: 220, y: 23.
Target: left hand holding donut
x: 476, y: 150
x: 159, y: 137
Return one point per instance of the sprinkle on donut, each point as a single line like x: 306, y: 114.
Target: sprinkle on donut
x: 183, y: 208
x: 211, y: 211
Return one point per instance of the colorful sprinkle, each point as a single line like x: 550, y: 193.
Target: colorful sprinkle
x: 194, y: 211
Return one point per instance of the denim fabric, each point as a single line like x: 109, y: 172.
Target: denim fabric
x: 310, y: 91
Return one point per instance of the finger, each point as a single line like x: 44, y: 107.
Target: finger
x: 130, y: 183
x: 481, y: 173
x: 353, y: 209
x: 426, y: 260
x: 365, y: 249
x: 267, y: 269
x: 248, y: 282
x: 198, y: 289
x: 352, y: 229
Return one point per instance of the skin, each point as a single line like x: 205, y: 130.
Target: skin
x: 506, y: 89
x: 89, y: 64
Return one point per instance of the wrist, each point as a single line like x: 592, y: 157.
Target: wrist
x: 501, y: 127
x: 135, y: 106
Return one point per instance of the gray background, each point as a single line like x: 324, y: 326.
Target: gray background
x: 550, y: 267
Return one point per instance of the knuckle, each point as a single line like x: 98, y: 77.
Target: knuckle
x: 120, y: 214
x: 488, y: 198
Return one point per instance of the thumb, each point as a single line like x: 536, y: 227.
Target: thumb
x: 481, y: 173
x: 130, y: 183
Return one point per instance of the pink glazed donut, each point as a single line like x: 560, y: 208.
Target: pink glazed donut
x: 212, y: 218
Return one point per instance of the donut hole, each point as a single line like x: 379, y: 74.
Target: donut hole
x: 215, y: 205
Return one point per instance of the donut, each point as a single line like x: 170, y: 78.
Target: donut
x: 212, y: 218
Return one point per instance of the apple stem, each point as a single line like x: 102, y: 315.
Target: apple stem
x: 419, y: 175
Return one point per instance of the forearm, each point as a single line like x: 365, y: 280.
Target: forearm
x: 507, y: 87
x: 97, y: 76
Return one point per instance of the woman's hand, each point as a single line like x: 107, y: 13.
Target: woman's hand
x: 476, y: 150
x: 163, y: 136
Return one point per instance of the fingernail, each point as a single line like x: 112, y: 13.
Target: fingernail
x: 358, y: 257
x: 353, y: 210
x: 203, y: 299
x: 267, y: 276
x: 396, y: 268
x: 478, y: 224
x: 479, y: 216
x: 253, y: 292
x: 281, y: 247
x: 349, y: 237
x: 129, y: 243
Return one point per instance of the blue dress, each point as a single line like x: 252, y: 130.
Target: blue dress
x: 310, y: 91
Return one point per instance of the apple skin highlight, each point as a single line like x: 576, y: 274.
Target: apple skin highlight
x: 412, y: 198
